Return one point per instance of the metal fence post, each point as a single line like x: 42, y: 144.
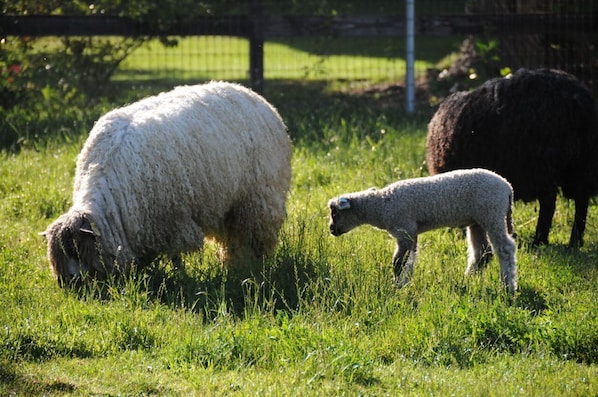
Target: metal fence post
x: 410, y: 57
x: 256, y: 45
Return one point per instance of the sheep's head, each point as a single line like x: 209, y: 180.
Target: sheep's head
x: 341, y: 216
x: 75, y: 249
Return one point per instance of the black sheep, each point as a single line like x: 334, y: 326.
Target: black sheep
x: 536, y: 128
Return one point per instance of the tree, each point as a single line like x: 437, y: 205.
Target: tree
x: 72, y: 69
x: 572, y: 52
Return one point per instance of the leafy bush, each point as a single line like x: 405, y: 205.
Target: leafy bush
x: 40, y: 77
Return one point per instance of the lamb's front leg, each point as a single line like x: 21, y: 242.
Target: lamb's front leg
x: 478, y: 249
x: 403, y: 259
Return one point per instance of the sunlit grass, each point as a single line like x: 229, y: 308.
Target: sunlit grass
x: 322, y: 317
x: 227, y: 58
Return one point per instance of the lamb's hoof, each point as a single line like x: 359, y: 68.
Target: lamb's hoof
x: 401, y: 282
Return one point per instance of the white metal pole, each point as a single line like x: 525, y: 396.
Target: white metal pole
x: 410, y: 57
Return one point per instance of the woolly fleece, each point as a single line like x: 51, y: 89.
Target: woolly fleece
x: 536, y: 128
x: 159, y: 175
x: 477, y: 199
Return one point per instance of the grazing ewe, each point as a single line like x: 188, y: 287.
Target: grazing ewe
x: 478, y: 199
x: 537, y: 129
x: 159, y: 175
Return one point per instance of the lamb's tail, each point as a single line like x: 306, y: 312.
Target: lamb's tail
x: 509, y: 218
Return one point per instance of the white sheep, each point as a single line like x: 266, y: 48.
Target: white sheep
x: 477, y: 199
x: 157, y: 176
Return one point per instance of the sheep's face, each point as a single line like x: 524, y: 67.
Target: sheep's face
x: 341, y: 216
x: 75, y: 250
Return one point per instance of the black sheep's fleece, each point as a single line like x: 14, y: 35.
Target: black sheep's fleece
x: 536, y: 128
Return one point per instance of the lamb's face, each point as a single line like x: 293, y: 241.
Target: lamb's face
x: 341, y: 216
x: 74, y: 250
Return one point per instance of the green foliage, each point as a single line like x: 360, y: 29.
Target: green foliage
x: 46, y: 89
x: 478, y: 61
x: 48, y: 75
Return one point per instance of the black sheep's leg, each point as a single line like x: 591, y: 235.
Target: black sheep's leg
x: 579, y: 223
x: 177, y: 262
x: 547, y: 206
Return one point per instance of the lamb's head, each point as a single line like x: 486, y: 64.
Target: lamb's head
x: 75, y: 249
x: 343, y: 217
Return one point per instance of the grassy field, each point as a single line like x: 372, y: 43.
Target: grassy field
x: 227, y: 58
x: 322, y: 316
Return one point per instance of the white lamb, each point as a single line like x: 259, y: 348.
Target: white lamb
x: 157, y: 176
x: 477, y: 199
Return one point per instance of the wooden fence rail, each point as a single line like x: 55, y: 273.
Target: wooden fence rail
x: 294, y: 25
x: 258, y: 27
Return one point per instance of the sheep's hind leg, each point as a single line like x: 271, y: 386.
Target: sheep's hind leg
x: 579, y: 223
x: 479, y: 252
x: 250, y: 235
x: 403, y: 260
x: 547, y: 207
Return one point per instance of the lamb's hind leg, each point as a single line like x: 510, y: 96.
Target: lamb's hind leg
x: 504, y: 247
x: 478, y: 249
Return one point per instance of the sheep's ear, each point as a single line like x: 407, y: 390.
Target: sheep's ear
x: 89, y: 232
x: 43, y: 234
x: 89, y: 228
x: 344, y: 203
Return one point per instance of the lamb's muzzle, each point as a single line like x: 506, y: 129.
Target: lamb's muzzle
x: 339, y: 205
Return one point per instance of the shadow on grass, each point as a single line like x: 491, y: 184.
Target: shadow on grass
x: 205, y: 286
x: 531, y: 300
x: 305, y: 106
x: 278, y: 284
x: 14, y: 384
x: 430, y: 49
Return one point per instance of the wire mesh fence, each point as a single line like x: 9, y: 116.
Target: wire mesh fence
x: 532, y: 34
x: 365, y: 41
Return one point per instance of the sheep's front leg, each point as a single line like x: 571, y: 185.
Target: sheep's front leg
x: 404, y: 258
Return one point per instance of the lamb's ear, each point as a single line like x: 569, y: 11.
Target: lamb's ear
x: 344, y: 203
x: 43, y: 234
x: 87, y: 231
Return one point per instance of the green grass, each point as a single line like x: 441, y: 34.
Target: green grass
x: 227, y: 58
x: 322, y: 316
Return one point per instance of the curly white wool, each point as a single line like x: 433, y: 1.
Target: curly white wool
x: 157, y: 176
